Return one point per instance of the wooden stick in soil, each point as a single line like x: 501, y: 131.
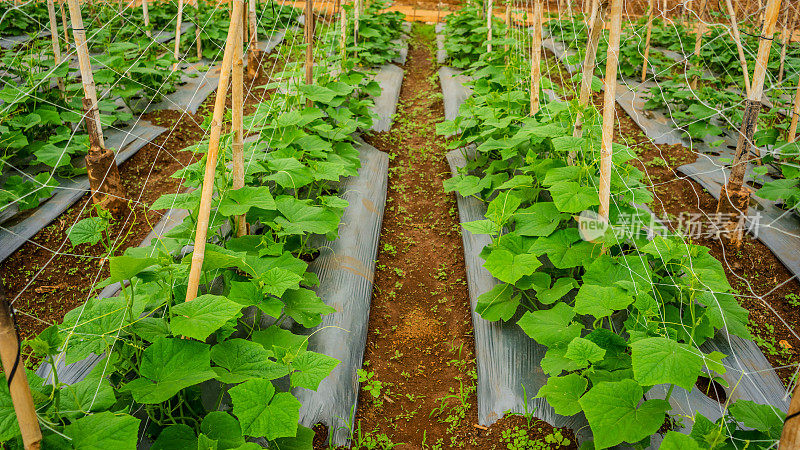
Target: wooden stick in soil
x: 788, y: 31
x: 588, y: 68
x: 178, y: 25
x: 698, y: 40
x: 790, y: 436
x: 64, y: 22
x: 213, y: 150
x: 356, y: 16
x: 737, y: 38
x: 734, y: 197
x: 489, y: 26
x: 536, y: 56
x: 237, y: 105
x: 146, y: 14
x: 253, y: 52
x: 51, y: 12
x: 19, y: 389
x: 612, y: 59
x: 647, y: 39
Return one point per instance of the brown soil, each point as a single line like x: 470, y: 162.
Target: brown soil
x: 765, y: 287
x: 46, y: 277
x: 420, y: 345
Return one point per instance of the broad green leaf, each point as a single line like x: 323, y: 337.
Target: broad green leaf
x: 766, y: 418
x: 8, y: 417
x: 301, y: 218
x: 104, y: 431
x: 560, y: 288
x: 87, y: 231
x: 262, y: 412
x: 675, y: 440
x: 239, y: 201
x: 541, y: 219
x: 311, y: 368
x: 201, y: 317
x: 240, y: 360
x: 509, y: 267
x: 222, y: 428
x: 584, y: 351
x: 303, y: 441
x: 126, y: 267
x: 480, y: 227
x: 551, y: 327
x: 503, y: 207
x: 571, y: 197
x: 175, y: 437
x: 659, y: 360
x: 601, y: 301
x: 248, y: 293
x: 169, y: 365
x: 498, y: 303
x: 616, y: 413
x: 563, y: 393
x: 86, y: 396
x: 305, y: 307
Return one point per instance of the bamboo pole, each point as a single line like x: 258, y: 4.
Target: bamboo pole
x: 356, y: 16
x: 237, y: 106
x: 536, y: 56
x: 737, y: 38
x: 598, y: 9
x: 788, y: 31
x: 10, y: 357
x: 698, y: 40
x: 795, y: 113
x: 489, y: 26
x: 213, y: 150
x: 508, y: 24
x: 146, y: 14
x: 309, y: 38
x: 343, y: 18
x: 790, y: 436
x: 734, y: 197
x: 647, y: 39
x: 87, y: 78
x: 51, y: 12
x: 253, y: 52
x: 64, y: 22
x: 609, y: 103
x: 178, y: 35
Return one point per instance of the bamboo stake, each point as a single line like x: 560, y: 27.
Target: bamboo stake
x: 508, y: 24
x: 786, y: 41
x: 734, y: 197
x: 51, y: 12
x: 309, y: 37
x: 588, y: 68
x: 698, y: 40
x: 253, y: 52
x: 647, y: 39
x: 178, y: 35
x: 343, y: 19
x: 146, y: 14
x: 64, y: 22
x: 795, y: 113
x: 87, y: 78
x: 612, y: 59
x: 211, y: 157
x: 237, y: 106
x: 790, y: 436
x: 536, y: 56
x: 737, y: 38
x: 356, y: 15
x: 19, y: 389
x: 489, y: 25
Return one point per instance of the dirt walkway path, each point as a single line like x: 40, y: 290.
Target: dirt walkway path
x: 419, y: 376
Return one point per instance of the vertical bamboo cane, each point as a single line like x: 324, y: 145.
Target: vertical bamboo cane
x: 146, y: 14
x: 87, y: 78
x: 237, y: 105
x: 609, y: 103
x: 178, y: 35
x: 790, y: 436
x: 64, y: 22
x: 698, y: 40
x: 734, y: 197
x: 508, y: 24
x: 253, y: 52
x: 739, y: 48
x: 588, y: 68
x: 536, y: 55
x: 343, y: 18
x: 18, y: 388
x: 356, y: 16
x: 647, y: 39
x: 795, y: 113
x: 664, y: 12
x: 309, y: 37
x: 213, y: 150
x: 51, y: 12
x: 489, y: 25
x: 788, y: 31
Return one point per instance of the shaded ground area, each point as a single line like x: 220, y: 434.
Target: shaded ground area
x: 419, y: 375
